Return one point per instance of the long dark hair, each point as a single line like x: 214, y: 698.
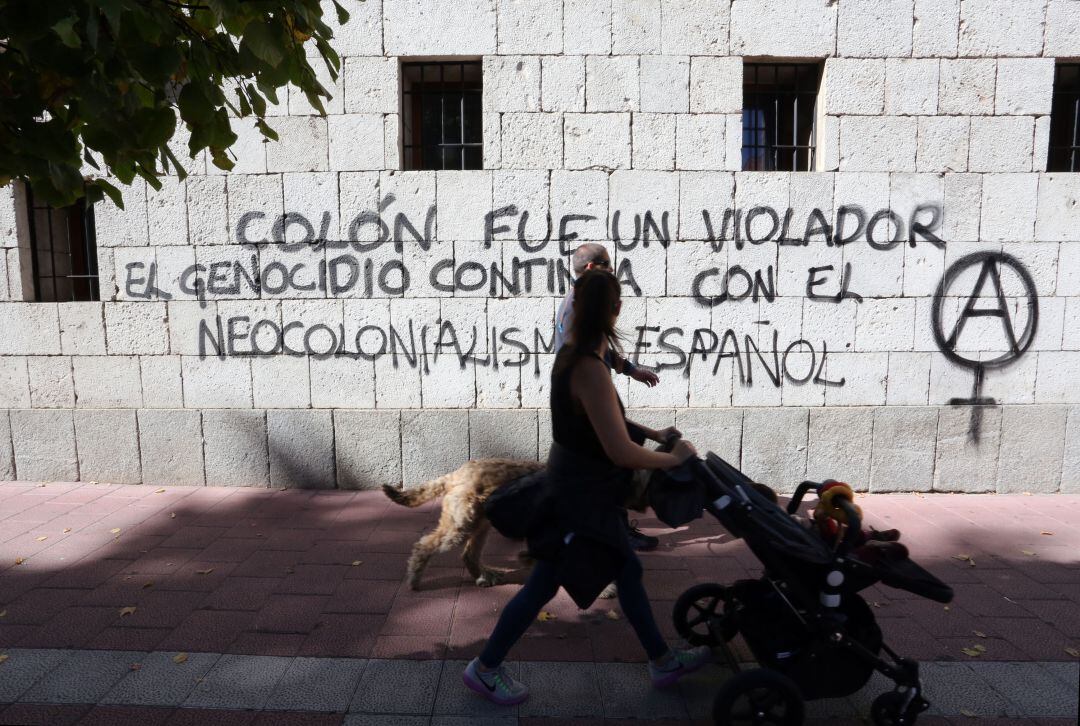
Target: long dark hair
x: 596, y: 299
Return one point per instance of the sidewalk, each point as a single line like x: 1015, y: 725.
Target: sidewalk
x: 290, y: 608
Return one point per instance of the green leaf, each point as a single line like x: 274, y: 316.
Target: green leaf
x: 221, y: 159
x: 181, y: 172
x: 66, y: 30
x: 264, y: 42
x: 342, y: 14
x: 114, y: 193
x: 266, y: 130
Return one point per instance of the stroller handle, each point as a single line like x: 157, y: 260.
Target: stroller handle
x: 800, y: 492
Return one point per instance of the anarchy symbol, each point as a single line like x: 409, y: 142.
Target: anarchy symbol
x: 990, y: 265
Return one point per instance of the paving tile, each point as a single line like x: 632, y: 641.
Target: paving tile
x: 290, y: 613
x: 287, y: 718
x: 366, y: 719
x: 73, y: 627
x: 346, y: 636
x: 284, y: 644
x: 317, y: 684
x: 1031, y: 691
x: 25, y: 667
x: 699, y: 690
x: 123, y: 638
x: 207, y: 630
x: 474, y: 721
x: 34, y: 714
x: 84, y: 677
x: 628, y: 693
x: 455, y: 699
x: 408, y: 646
x: 210, y: 717
x: 160, y: 681
x: 238, y: 682
x: 561, y: 690
x: 953, y: 688
x: 397, y: 686
x: 125, y: 716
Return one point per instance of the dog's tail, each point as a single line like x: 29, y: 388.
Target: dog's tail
x: 416, y: 496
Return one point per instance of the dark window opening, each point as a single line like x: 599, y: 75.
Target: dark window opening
x: 63, y: 251
x: 1065, y: 119
x: 441, y: 115
x: 779, y: 114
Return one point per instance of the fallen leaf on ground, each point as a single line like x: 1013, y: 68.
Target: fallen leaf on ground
x: 136, y: 666
x: 3, y: 613
x: 114, y: 530
x: 1073, y: 652
x: 172, y: 515
x: 612, y: 615
x: 129, y: 610
x: 207, y: 571
x: 545, y: 616
x: 148, y: 584
x: 20, y: 560
x: 1048, y: 534
x: 1026, y: 494
x: 969, y: 714
x: 67, y: 529
x: 42, y: 538
x: 89, y: 482
x: 180, y: 658
x: 357, y: 563
x: 980, y: 634
x: 1029, y: 553
x: 289, y: 571
x: 946, y: 608
x: 3, y: 657
x: 965, y: 558
x: 160, y: 491
x: 1009, y: 599
x: 973, y: 652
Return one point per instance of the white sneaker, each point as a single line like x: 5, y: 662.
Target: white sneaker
x: 679, y: 664
x: 496, y: 685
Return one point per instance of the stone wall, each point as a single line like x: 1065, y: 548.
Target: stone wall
x: 319, y: 318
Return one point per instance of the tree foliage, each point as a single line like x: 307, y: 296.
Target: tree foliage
x: 107, y: 83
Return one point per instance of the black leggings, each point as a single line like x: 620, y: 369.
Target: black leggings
x: 541, y: 586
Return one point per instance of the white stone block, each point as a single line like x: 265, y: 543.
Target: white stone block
x: 82, y: 328
x: 1032, y: 449
x: 840, y: 441
x: 1068, y: 283
x: 50, y: 382
x: 526, y: 191
x: 498, y: 387
x: 530, y: 26
x: 878, y: 143
x: 137, y: 327
x: 964, y: 463
x: 911, y: 86
x: 885, y: 324
x: 342, y: 382
x: 581, y: 193
x: 716, y: 85
x: 665, y: 83
x: 611, y: 83
x: 1025, y: 86
x: 943, y: 144
x: 44, y: 445
x: 162, y: 385
x: 909, y: 379
x: 1009, y: 203
x: 1070, y: 339
x: 166, y: 211
x: 115, y: 227
x: 356, y: 142
x: 936, y: 28
x: 710, y: 192
x: 251, y: 195
x: 108, y: 446
x: 107, y: 381
x: 563, y: 84
x: 719, y: 431
x: 1056, y: 377
x: 875, y: 28
x: 301, y: 447
x: 171, y: 446
x: 281, y: 381
x: 586, y: 27
x: 861, y: 378
x: 298, y: 103
x: 990, y: 29
x: 248, y: 152
x: 464, y: 197
x: 311, y: 200
x: 392, y: 139
x: 367, y: 447
x: 503, y: 434
x: 597, y: 140
x: 14, y: 383
x: 1062, y: 29
x: 235, y: 448
x: 700, y: 143
x: 774, y: 446
x: 967, y: 86
x: 29, y: 329
x: 1040, y: 157
x: 302, y: 145
x: 362, y: 35
x: 433, y: 443
x: 448, y: 383
x: 1070, y: 469
x: 654, y: 141
x: 783, y: 28
x: 903, y: 453
x: 208, y: 221
x: 1058, y: 217
x: 371, y: 85
x: 854, y: 86
x: 695, y: 27
x: 438, y: 27
x: 398, y: 383
x: 532, y: 140
x: 214, y: 383
x: 963, y: 199
x: 634, y: 26
x: 512, y: 83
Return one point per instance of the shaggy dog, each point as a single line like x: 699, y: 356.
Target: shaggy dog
x: 462, y: 520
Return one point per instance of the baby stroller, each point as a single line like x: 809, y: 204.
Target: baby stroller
x: 811, y: 633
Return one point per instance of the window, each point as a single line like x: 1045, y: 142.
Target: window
x: 441, y: 118
x: 1065, y: 119
x: 779, y: 112
x: 63, y: 251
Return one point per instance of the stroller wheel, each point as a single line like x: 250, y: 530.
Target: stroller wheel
x: 696, y: 610
x: 758, y: 696
x: 890, y: 709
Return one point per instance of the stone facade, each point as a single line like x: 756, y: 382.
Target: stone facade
x: 319, y: 317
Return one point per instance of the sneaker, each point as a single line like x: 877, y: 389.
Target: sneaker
x: 641, y: 541
x: 497, y: 685
x: 679, y: 664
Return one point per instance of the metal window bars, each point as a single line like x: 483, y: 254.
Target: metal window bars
x: 779, y: 116
x: 442, y: 119
x: 1064, y: 153
x: 63, y: 251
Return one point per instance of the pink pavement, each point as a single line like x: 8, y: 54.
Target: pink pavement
x: 320, y: 573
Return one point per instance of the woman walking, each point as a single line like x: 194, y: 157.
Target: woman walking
x: 581, y: 543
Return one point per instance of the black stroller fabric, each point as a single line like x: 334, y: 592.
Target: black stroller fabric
x: 512, y: 507
x: 677, y: 495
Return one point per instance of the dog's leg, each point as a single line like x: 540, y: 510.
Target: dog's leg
x: 474, y: 547
x: 609, y: 592
x: 444, y: 538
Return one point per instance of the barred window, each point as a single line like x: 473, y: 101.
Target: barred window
x: 779, y: 114
x: 441, y: 115
x: 1065, y: 119
x: 63, y: 251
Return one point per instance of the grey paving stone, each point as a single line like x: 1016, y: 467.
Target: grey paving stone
x: 561, y: 690
x: 367, y: 719
x: 1030, y: 689
x: 23, y: 668
x: 699, y: 690
x: 317, y: 684
x: 474, y: 721
x: 85, y: 677
x: 861, y: 700
x: 1067, y: 673
x: 954, y: 688
x: 628, y: 693
x: 398, y: 686
x: 238, y: 682
x: 455, y: 699
x: 161, y: 681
